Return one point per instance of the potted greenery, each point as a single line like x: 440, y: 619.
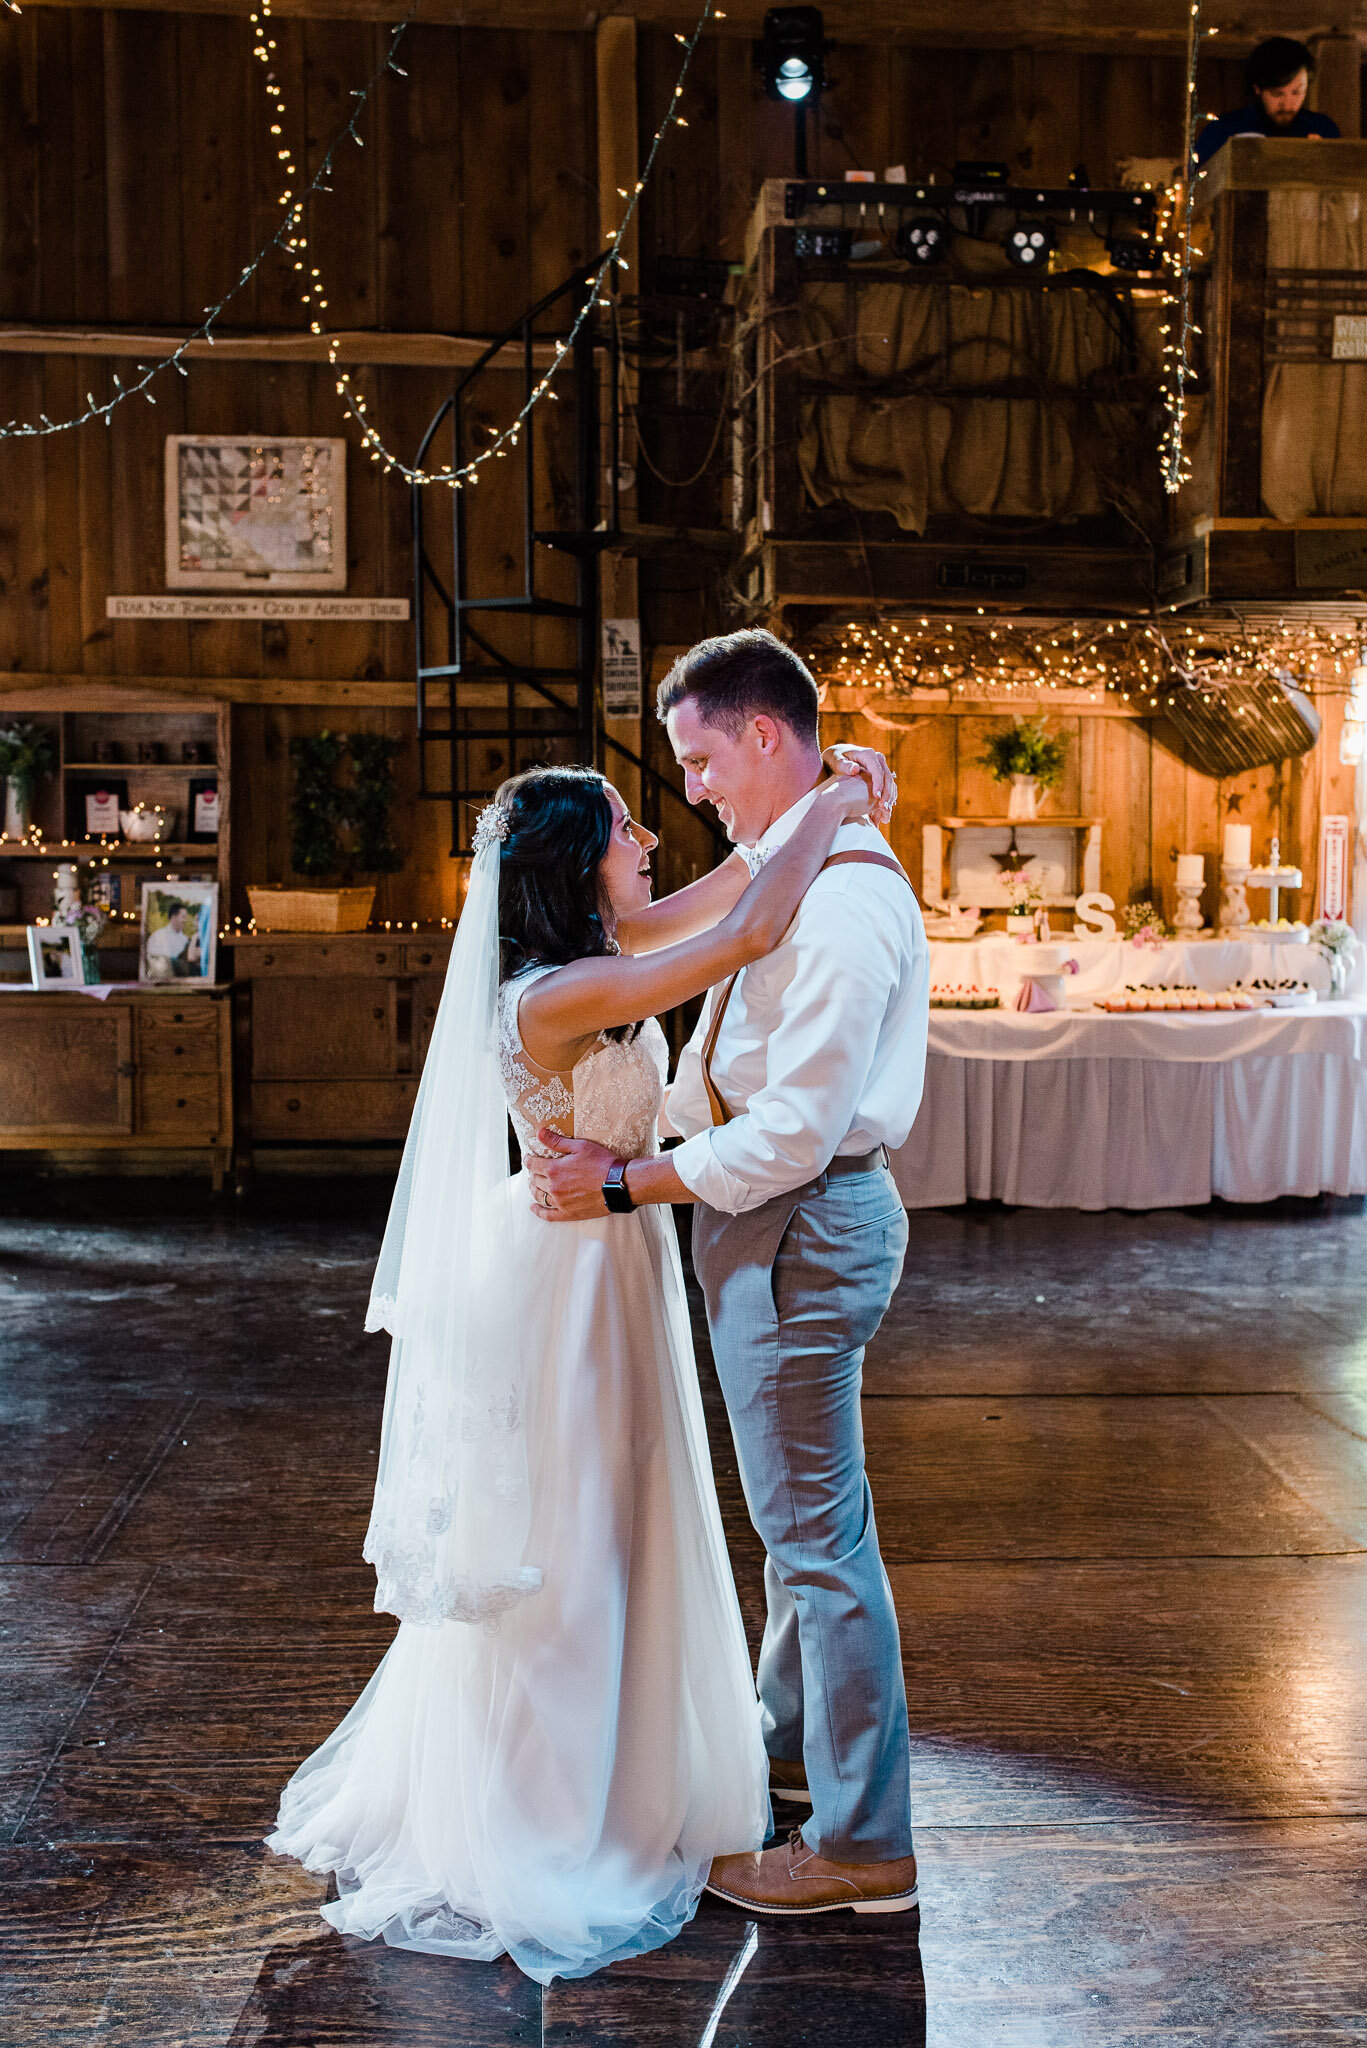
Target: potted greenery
x: 26, y: 752
x: 1024, y: 755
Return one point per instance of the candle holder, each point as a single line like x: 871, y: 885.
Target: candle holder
x: 1234, y: 911
x: 1189, y: 918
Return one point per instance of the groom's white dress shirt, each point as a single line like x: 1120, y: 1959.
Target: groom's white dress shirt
x: 823, y: 1046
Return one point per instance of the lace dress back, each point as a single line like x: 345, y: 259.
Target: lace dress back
x: 613, y: 1095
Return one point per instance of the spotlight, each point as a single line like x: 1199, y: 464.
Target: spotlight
x: 1129, y: 252
x: 923, y: 240
x: 791, y: 53
x: 1029, y: 244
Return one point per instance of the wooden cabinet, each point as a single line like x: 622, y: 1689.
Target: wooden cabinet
x: 332, y: 1034
x: 143, y: 1070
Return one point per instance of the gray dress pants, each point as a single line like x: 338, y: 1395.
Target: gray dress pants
x: 794, y: 1291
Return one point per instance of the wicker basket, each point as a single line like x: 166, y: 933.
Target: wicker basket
x: 277, y: 909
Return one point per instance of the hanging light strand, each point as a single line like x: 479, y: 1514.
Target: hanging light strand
x: 457, y: 478
x: 286, y: 237
x: 1177, y: 365
x: 1138, y: 663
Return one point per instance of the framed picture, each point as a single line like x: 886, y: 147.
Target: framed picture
x: 179, y: 935
x: 202, y: 809
x: 255, y: 513
x: 54, y: 956
x: 92, y: 807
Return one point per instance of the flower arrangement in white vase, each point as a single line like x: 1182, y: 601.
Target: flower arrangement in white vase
x: 1338, y: 943
x: 87, y: 920
x: 1026, y: 892
x: 1024, y: 754
x: 26, y: 753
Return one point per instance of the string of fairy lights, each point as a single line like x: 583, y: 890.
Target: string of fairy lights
x: 285, y: 238
x: 1138, y: 661
x: 596, y: 294
x: 1175, y: 223
x: 292, y: 238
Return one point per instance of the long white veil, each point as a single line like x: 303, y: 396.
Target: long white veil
x: 448, y: 1530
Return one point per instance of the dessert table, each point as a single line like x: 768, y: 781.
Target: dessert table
x: 1080, y: 1109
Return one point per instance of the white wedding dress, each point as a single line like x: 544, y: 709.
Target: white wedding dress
x: 555, y: 1782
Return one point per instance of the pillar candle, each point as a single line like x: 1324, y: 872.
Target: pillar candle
x: 1191, y: 870
x: 1238, y: 846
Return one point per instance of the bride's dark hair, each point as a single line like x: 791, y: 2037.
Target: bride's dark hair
x: 550, y: 903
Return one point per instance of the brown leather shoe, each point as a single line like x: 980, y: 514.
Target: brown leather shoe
x: 793, y: 1879
x: 788, y: 1781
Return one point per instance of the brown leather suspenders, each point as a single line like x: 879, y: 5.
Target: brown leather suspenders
x: 715, y: 1100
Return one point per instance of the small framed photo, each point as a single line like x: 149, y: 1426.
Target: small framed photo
x: 54, y: 956
x: 203, y: 805
x: 179, y: 939
x: 92, y: 808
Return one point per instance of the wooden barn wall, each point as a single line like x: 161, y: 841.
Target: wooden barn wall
x: 1134, y: 774
x: 135, y: 181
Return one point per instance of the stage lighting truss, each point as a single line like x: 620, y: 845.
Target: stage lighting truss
x: 923, y: 240
x: 1125, y: 219
x: 1029, y: 244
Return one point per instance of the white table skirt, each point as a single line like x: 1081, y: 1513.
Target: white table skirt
x: 1136, y: 1112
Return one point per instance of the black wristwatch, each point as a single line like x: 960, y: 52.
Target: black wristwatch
x: 616, y: 1193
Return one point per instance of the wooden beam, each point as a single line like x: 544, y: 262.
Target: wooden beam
x: 43, y: 691
x: 615, y: 48
x: 1252, y: 163
x: 1337, y: 87
x: 1142, y: 27
x: 390, y: 351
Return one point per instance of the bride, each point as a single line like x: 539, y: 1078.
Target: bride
x: 564, y: 1731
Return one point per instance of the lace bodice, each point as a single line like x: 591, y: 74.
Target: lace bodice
x: 614, y: 1093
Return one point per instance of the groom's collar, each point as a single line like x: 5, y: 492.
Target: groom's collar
x: 782, y: 828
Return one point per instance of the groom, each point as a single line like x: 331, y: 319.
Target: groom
x: 802, y: 1072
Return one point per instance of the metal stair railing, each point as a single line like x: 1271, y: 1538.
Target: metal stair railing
x: 517, y: 710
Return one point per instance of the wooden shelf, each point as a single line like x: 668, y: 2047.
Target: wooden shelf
x: 121, y: 936
x: 111, y: 768
x: 117, y: 849
x: 1068, y: 823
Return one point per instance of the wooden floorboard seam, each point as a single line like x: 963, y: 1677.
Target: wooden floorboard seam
x: 110, y: 1523
x: 82, y: 1704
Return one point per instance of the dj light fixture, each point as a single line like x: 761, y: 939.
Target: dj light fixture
x: 1029, y: 245
x: 923, y: 240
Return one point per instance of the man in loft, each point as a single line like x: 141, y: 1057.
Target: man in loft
x: 1279, y: 75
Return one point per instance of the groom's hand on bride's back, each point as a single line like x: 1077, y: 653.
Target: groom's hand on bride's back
x: 567, y: 1185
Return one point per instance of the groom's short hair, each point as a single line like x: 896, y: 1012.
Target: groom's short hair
x: 738, y: 676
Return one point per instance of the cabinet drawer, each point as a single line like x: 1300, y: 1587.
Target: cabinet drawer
x: 184, y: 1106
x: 318, y: 1030
x: 426, y: 956
x: 321, y: 956
x: 306, y: 1110
x: 181, y: 1036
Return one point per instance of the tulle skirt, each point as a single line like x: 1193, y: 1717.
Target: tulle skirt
x: 556, y: 1784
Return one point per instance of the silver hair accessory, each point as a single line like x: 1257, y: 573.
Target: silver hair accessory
x: 492, y: 825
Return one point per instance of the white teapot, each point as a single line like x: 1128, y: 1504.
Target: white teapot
x: 143, y: 822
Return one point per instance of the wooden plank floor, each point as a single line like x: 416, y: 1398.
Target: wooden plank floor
x: 1121, y: 1473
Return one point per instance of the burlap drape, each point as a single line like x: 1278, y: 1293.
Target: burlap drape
x: 1315, y: 414
x: 1053, y: 444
